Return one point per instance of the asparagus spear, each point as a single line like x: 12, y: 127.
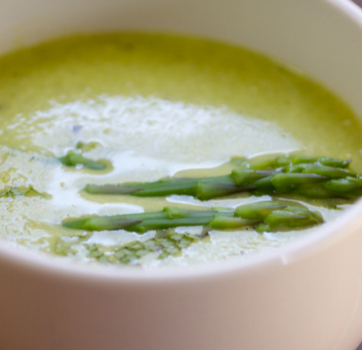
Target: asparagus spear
x: 279, y: 215
x: 287, y: 182
x: 202, y: 188
x: 249, y: 215
x: 167, y: 218
x: 305, y: 176
x: 263, y: 216
x: 323, y: 170
x: 73, y: 159
x: 249, y: 176
x: 206, y: 189
x: 102, y: 223
x: 288, y: 219
x: 223, y: 222
x: 259, y: 210
x: 282, y: 162
x: 348, y: 187
x: 112, y: 189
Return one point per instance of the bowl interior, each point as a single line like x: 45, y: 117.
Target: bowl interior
x: 311, y: 35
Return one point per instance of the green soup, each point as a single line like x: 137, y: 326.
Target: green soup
x: 152, y: 106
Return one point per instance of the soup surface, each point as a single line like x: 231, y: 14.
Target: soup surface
x: 152, y: 106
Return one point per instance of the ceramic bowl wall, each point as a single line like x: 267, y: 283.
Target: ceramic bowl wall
x: 306, y: 295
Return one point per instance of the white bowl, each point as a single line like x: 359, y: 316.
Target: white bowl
x: 304, y: 296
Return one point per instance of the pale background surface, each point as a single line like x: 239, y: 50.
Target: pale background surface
x: 359, y: 2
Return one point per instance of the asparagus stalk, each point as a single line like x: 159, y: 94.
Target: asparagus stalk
x: 322, y: 170
x: 282, y: 162
x: 305, y: 176
x: 259, y: 210
x: 224, y: 222
x: 285, y: 215
x: 348, y: 187
x: 290, y: 218
x: 169, y: 217
x: 102, y: 223
x: 206, y: 189
x: 73, y: 159
x: 202, y: 188
x: 271, y: 216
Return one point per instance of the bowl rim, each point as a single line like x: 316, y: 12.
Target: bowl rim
x: 299, y: 249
